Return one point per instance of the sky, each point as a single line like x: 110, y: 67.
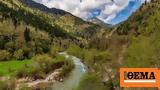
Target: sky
x: 108, y: 11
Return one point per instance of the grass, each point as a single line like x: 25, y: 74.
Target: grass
x: 8, y: 68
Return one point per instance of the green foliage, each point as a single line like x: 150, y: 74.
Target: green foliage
x: 138, y: 20
x: 76, y: 51
x: 94, y: 59
x: 45, y: 62
x: 43, y: 65
x: 91, y: 82
x: 34, y: 72
x: 35, y: 21
x: 18, y: 54
x: 67, y: 67
x: 144, y: 50
x: 4, y: 55
x: 54, y: 50
x: 15, y: 43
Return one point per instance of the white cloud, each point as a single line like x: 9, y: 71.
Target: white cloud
x: 85, y: 8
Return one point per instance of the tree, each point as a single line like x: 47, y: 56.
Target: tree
x: 27, y: 35
x: 44, y: 61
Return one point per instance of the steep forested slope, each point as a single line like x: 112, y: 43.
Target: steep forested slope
x: 29, y: 44
x: 15, y: 11
x: 67, y: 21
x: 143, y: 28
x: 23, y: 28
x: 134, y: 44
x: 27, y: 30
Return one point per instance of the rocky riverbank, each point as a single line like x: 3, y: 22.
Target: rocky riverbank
x: 40, y: 83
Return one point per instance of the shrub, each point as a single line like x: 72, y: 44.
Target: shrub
x: 4, y: 55
x: 58, y: 62
x: 54, y: 51
x: 19, y: 54
x: 76, y: 51
x: 21, y: 73
x: 33, y: 71
x: 67, y: 67
x: 45, y: 62
x: 91, y: 82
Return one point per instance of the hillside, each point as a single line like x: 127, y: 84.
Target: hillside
x: 143, y: 32
x: 134, y: 44
x: 67, y: 21
x: 32, y: 35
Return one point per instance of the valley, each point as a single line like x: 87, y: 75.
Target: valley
x: 49, y: 49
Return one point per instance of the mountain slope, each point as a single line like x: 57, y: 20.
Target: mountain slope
x: 143, y: 31
x: 20, y: 14
x: 67, y: 21
x: 41, y: 7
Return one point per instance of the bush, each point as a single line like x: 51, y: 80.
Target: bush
x: 33, y: 71
x: 19, y: 54
x: 4, y: 55
x: 21, y: 73
x: 44, y: 61
x: 54, y: 51
x: 91, y: 82
x: 67, y: 67
x: 43, y: 65
x: 76, y: 51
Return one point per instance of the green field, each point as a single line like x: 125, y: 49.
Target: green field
x: 8, y: 68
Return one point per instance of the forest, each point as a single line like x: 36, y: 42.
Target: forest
x: 31, y: 39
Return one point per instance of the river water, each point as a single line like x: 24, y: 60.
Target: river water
x: 75, y: 76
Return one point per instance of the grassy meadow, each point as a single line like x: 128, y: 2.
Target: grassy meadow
x: 8, y: 68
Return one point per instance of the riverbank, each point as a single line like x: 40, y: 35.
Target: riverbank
x: 40, y: 83
x: 54, y: 80
x: 42, y: 72
x: 74, y: 78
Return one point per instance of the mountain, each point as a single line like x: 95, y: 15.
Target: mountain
x: 142, y: 29
x: 99, y: 22
x: 16, y: 11
x: 43, y: 8
x: 67, y: 21
x: 29, y: 30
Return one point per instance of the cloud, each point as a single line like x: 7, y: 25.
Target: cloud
x: 105, y: 10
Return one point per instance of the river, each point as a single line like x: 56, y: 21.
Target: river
x: 75, y: 76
